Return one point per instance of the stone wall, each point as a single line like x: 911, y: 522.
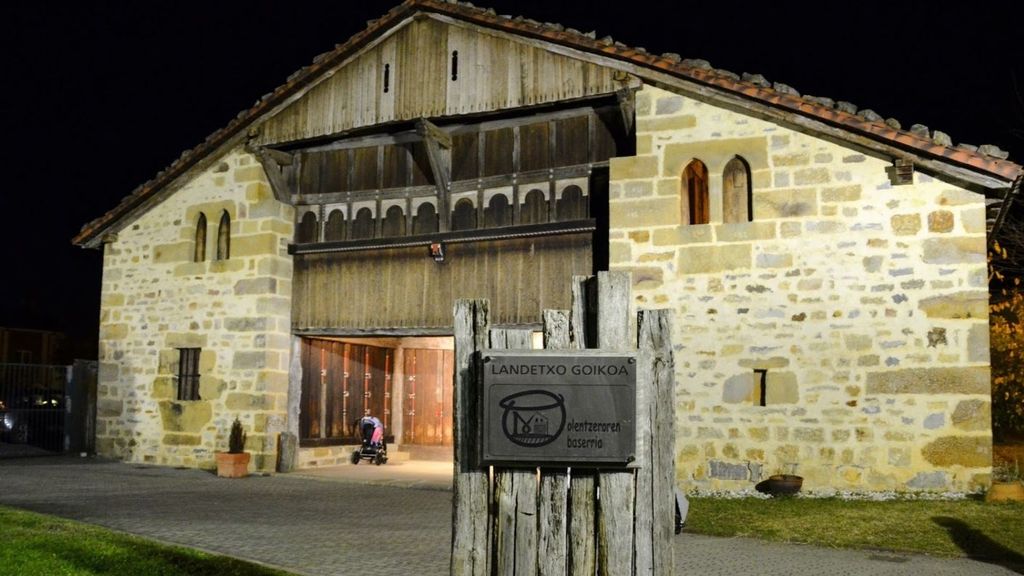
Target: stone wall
x: 156, y: 300
x: 862, y: 304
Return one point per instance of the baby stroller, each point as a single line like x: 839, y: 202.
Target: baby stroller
x: 374, y: 448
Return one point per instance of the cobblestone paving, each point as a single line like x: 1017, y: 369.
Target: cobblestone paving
x: 317, y: 526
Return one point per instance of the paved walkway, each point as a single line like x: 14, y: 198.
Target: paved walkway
x: 335, y: 524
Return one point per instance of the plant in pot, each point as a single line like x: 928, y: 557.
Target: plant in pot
x: 1007, y: 484
x: 235, y: 462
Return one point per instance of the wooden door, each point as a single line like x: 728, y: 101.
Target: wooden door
x: 342, y: 382
x: 428, y: 397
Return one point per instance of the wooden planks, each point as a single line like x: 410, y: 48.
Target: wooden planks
x: 496, y: 72
x: 544, y: 520
x: 471, y: 522
x: 520, y: 276
x: 515, y: 493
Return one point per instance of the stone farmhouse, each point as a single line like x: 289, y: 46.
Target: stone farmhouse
x: 826, y: 267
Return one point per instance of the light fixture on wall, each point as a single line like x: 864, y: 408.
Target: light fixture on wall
x: 437, y: 251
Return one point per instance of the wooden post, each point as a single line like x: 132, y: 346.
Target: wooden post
x: 655, y: 335
x: 617, y: 494
x: 582, y: 483
x: 471, y: 542
x: 552, y: 507
x: 515, y: 494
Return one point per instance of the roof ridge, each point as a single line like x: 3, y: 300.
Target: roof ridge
x: 986, y: 158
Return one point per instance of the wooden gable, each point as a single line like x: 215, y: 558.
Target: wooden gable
x: 432, y: 67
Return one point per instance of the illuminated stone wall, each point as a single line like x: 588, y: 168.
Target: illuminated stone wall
x: 156, y: 300
x: 863, y: 303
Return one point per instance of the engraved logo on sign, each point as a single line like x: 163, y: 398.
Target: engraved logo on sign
x: 533, y: 418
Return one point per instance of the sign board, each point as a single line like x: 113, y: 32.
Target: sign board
x: 564, y: 407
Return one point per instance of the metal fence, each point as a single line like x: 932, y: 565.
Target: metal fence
x: 32, y: 401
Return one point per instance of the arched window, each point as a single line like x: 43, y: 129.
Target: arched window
x: 737, y: 198
x: 425, y: 221
x: 394, y: 222
x: 464, y: 215
x: 334, y: 229
x: 199, y: 255
x: 534, y: 209
x: 572, y: 205
x: 497, y: 212
x: 695, y: 187
x: 307, y: 229
x: 224, y: 237
x: 362, y: 226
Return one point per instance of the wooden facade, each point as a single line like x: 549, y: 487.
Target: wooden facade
x: 443, y: 161
x: 404, y: 288
x: 408, y: 74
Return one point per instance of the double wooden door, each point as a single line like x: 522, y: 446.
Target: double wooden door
x: 342, y: 382
x: 427, y: 409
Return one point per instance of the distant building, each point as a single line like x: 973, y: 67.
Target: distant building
x: 827, y: 269
x: 27, y: 346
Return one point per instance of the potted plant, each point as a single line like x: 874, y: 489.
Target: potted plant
x: 235, y: 462
x: 1007, y: 484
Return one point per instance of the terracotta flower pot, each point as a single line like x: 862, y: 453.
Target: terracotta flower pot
x: 232, y: 465
x: 1005, y: 492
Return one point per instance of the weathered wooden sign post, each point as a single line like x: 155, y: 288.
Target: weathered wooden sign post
x: 564, y: 459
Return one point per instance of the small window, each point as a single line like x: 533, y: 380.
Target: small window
x: 695, y: 188
x: 307, y: 229
x: 425, y: 221
x: 572, y: 205
x: 362, y: 226
x: 394, y: 222
x: 498, y: 212
x: 534, y: 209
x: 334, y: 229
x: 761, y: 386
x: 455, y: 65
x: 387, y: 78
x: 464, y: 215
x: 224, y: 237
x: 736, y: 192
x: 188, y: 373
x: 200, y: 248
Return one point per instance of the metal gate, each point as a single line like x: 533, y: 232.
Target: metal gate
x: 36, y: 404
x: 32, y: 405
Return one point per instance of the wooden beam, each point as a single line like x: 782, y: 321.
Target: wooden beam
x: 428, y: 130
x: 271, y: 166
x: 439, y: 146
x: 282, y: 158
x: 627, y: 106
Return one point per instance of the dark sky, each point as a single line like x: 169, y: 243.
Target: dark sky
x: 99, y: 96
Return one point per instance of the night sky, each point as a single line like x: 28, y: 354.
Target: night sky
x: 99, y: 96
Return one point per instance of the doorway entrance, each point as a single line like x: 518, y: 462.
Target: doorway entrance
x: 406, y: 382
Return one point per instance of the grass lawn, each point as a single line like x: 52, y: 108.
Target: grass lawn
x: 993, y: 532
x: 37, y: 545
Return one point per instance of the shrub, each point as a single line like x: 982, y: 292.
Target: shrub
x: 236, y: 442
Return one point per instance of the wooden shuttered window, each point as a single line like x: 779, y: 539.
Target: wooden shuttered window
x: 199, y: 254
x: 695, y: 188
